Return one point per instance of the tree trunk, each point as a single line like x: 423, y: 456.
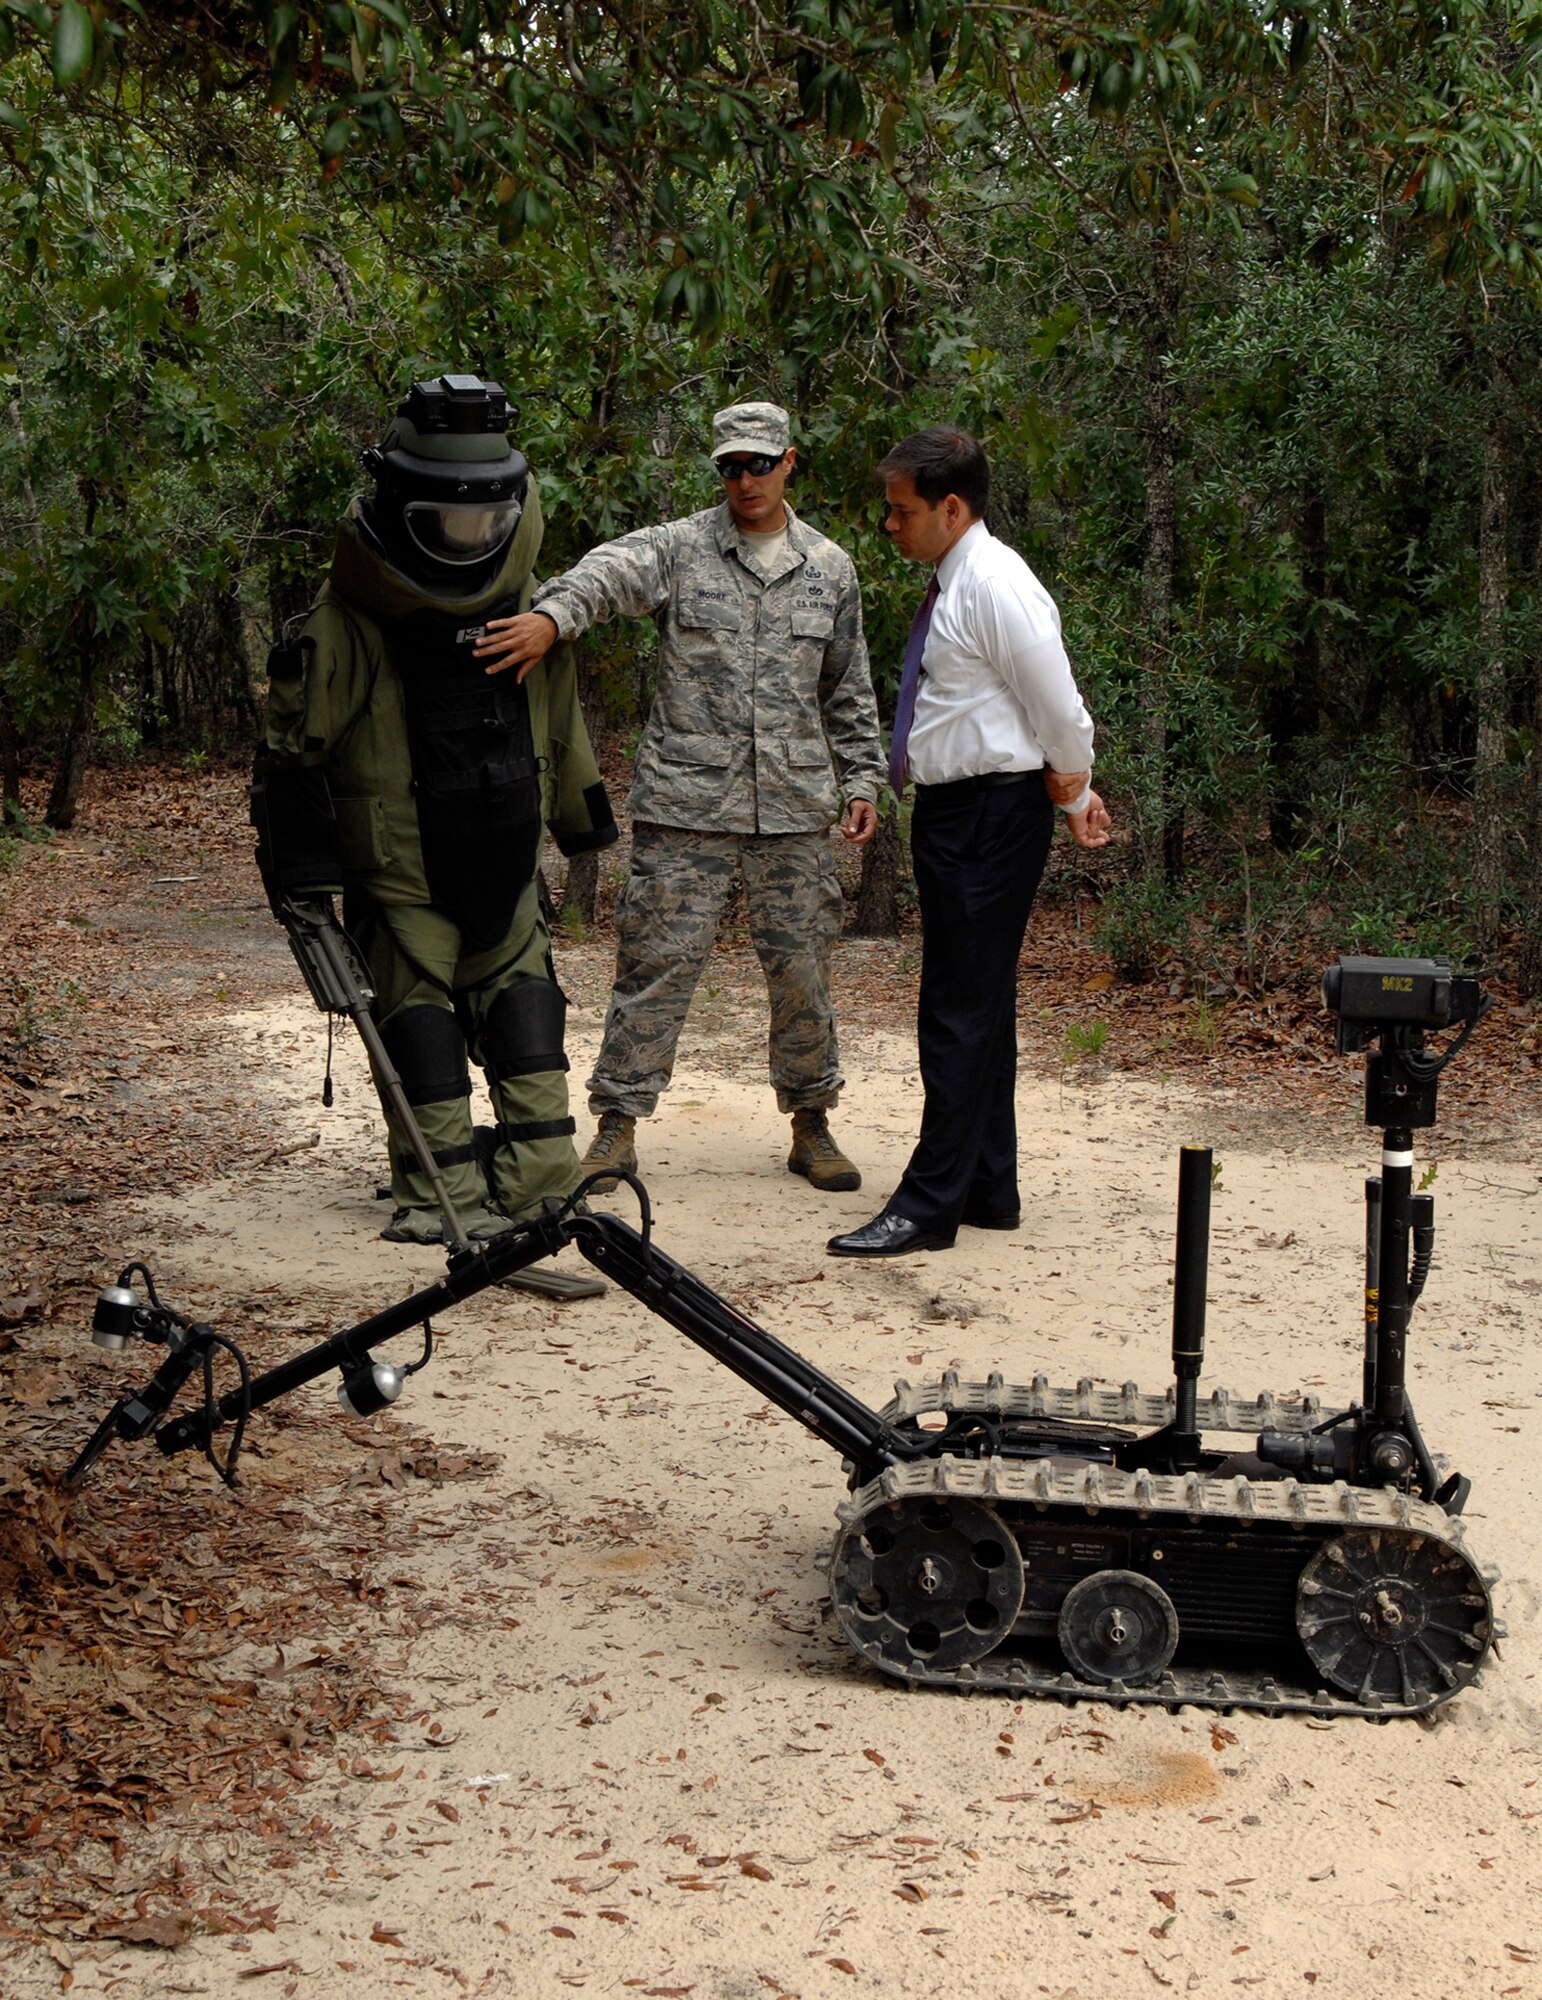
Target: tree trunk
x: 149, y: 700
x: 237, y: 691
x: 1291, y: 711
x: 1531, y: 913
x: 1159, y: 824
x: 1489, y: 781
x: 171, y: 693
x: 10, y: 742
x: 70, y: 772
x: 10, y: 765
x: 877, y: 911
x: 581, y: 891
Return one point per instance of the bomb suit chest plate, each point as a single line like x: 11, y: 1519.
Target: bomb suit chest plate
x: 476, y: 776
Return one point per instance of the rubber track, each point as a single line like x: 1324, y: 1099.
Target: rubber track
x: 1094, y: 1489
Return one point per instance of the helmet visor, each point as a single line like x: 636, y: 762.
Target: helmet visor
x: 458, y: 533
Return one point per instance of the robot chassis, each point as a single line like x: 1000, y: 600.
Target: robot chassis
x: 1023, y: 1539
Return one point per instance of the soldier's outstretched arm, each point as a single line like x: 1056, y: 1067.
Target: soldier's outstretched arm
x: 628, y: 578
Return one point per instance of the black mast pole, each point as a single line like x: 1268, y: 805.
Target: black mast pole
x: 1372, y: 1286
x: 1392, y: 1305
x: 1191, y: 1268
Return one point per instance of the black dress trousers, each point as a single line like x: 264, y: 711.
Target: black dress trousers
x: 978, y: 848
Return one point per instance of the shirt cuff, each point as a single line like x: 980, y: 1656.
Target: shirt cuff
x: 1080, y: 803
x: 560, y: 614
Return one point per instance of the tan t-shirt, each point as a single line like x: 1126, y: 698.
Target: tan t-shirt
x: 767, y: 548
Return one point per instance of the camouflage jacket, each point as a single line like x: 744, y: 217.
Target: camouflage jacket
x: 762, y: 676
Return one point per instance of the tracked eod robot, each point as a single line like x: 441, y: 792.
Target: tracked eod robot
x: 1171, y: 1549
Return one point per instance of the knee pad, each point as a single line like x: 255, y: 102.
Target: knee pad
x: 522, y: 1034
x: 429, y: 1051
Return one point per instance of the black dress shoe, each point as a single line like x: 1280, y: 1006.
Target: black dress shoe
x: 1013, y: 1219
x: 887, y: 1236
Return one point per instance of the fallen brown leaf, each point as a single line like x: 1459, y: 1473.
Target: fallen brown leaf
x: 167, y: 1930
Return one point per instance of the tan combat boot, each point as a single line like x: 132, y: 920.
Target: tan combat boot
x: 816, y: 1156
x: 612, y: 1150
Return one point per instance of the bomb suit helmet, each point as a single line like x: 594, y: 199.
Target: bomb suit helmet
x: 449, y: 487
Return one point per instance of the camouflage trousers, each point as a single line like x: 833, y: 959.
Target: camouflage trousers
x: 666, y: 921
x: 435, y: 1005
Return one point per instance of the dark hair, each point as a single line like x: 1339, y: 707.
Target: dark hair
x: 941, y: 461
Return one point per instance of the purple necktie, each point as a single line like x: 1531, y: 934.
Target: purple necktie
x: 910, y: 680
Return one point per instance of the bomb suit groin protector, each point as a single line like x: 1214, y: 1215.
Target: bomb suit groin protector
x: 400, y: 773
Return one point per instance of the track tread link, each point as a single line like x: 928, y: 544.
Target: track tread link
x: 1091, y: 1489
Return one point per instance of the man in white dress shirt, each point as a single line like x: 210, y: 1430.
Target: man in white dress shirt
x: 999, y: 738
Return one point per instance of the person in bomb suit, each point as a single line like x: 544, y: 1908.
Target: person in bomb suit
x: 396, y: 772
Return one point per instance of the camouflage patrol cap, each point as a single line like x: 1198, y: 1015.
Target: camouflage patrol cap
x: 751, y: 427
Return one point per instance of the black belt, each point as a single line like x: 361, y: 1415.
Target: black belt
x: 988, y: 781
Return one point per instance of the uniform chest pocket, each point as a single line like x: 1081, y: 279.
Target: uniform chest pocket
x: 716, y: 611
x: 812, y: 621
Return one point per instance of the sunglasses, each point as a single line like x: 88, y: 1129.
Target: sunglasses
x: 757, y: 466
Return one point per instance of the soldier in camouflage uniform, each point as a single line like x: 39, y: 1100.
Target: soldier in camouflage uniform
x: 762, y: 682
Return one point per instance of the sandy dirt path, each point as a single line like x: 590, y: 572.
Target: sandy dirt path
x: 641, y: 1763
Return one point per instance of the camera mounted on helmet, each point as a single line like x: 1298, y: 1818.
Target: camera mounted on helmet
x: 449, y: 487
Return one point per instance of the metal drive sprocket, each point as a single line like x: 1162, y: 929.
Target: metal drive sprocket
x: 1393, y: 1613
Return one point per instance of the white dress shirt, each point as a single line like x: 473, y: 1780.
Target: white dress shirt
x: 996, y: 690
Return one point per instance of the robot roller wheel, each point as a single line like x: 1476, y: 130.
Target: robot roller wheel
x: 1117, y: 1625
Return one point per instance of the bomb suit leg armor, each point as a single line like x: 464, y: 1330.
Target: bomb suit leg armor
x: 431, y: 1003
x: 519, y: 1026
